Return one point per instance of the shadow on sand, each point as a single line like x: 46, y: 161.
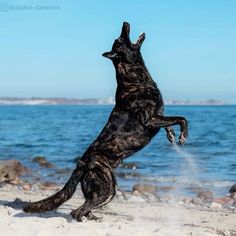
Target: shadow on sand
x: 18, y: 204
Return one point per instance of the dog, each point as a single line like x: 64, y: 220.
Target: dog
x: 135, y: 119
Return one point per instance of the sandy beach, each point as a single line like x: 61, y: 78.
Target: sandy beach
x: 130, y: 216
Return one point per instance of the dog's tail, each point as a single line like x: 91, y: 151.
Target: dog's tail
x: 59, y: 198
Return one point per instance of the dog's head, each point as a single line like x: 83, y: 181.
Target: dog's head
x: 123, y: 50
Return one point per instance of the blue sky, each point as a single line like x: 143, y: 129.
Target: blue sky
x: 190, y: 47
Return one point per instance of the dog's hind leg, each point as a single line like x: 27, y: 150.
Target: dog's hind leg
x: 91, y: 204
x: 163, y: 121
x: 98, y: 186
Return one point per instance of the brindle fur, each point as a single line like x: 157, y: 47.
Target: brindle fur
x: 135, y: 119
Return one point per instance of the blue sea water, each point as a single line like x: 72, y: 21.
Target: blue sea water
x: 61, y: 133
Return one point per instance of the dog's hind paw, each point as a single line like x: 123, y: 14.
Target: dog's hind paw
x: 91, y: 216
x: 77, y: 215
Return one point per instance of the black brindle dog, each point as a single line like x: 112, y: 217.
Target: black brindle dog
x: 135, y: 119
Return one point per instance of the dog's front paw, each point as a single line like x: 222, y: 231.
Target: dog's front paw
x: 171, y: 136
x: 183, y: 137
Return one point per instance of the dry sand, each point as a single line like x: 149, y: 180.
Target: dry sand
x: 132, y: 217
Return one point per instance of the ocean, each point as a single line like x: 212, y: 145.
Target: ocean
x: 62, y: 132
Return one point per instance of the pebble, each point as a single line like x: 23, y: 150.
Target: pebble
x: 46, y: 165
x: 64, y: 171
x: 39, y: 159
x: 224, y: 200
x: 151, y: 197
x: 187, y: 200
x: 216, y: 206
x: 144, y: 188
x: 42, y: 161
x: 10, y: 171
x: 49, y: 186
x: 27, y: 187
x: 205, y: 195
x: 132, y: 198
x: 166, y: 188
x: 197, y: 201
x: 135, y: 193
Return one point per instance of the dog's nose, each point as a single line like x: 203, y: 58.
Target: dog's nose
x: 126, y: 25
x: 125, y: 30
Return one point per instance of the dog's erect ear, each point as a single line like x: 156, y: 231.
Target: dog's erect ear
x: 111, y: 55
x: 139, y: 42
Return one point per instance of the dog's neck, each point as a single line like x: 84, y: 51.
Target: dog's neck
x: 130, y: 74
x: 133, y: 81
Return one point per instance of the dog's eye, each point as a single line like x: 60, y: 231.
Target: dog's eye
x: 117, y: 45
x: 118, y: 41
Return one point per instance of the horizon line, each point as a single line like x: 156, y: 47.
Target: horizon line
x: 96, y: 101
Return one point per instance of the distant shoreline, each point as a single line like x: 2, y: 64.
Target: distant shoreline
x: 93, y: 101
